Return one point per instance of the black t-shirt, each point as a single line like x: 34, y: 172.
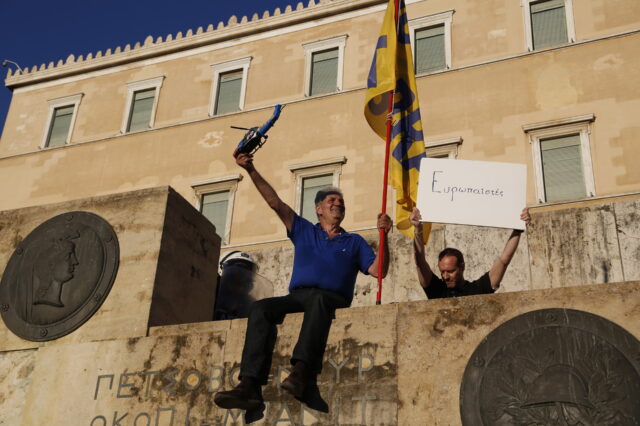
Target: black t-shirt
x: 437, y: 289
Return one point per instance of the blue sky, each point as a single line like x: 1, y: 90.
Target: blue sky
x: 38, y: 31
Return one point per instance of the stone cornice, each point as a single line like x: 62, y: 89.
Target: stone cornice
x: 150, y: 48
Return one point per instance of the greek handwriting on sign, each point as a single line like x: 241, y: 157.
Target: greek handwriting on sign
x: 173, y: 383
x: 437, y: 186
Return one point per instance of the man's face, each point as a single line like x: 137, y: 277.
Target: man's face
x: 331, y: 208
x: 63, y: 264
x: 450, y: 271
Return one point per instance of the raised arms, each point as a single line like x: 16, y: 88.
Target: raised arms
x: 284, y: 212
x: 384, y: 222
x: 496, y: 273
x: 424, y: 271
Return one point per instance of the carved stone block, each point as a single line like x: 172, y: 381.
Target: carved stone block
x: 104, y: 268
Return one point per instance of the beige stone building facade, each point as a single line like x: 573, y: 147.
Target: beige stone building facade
x: 552, y: 84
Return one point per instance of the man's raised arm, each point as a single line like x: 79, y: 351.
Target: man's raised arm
x: 424, y: 271
x: 284, y: 212
x: 384, y: 222
x: 496, y: 273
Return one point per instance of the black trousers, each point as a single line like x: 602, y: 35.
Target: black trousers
x: 319, y: 310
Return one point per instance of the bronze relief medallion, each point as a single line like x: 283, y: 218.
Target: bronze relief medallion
x: 58, y: 276
x: 553, y: 367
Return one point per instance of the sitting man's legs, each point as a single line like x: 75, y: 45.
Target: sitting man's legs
x: 259, y: 342
x: 319, y: 308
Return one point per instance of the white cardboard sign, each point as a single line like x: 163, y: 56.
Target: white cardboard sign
x: 472, y: 192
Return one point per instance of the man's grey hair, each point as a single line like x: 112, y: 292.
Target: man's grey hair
x: 324, y: 192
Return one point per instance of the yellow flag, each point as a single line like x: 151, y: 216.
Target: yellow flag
x: 392, y: 70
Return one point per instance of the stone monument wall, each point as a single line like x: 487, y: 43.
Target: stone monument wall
x: 165, y: 254
x: 404, y: 364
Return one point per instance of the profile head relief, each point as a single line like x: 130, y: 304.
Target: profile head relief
x: 451, y: 266
x: 330, y: 204
x: 55, y: 265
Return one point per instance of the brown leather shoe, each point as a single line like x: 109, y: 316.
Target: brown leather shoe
x: 296, y: 382
x: 245, y: 396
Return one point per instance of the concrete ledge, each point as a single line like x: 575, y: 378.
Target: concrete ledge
x: 385, y: 365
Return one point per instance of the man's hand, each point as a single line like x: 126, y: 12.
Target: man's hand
x: 245, y: 161
x: 525, y: 216
x: 384, y: 222
x: 415, y: 217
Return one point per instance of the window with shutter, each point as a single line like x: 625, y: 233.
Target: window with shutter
x: 141, y: 104
x: 141, y: 109
x: 60, y: 126
x: 548, y: 23
x: 228, y: 94
x: 324, y: 72
x: 562, y: 168
x: 214, y: 206
x: 430, y: 49
x: 562, y: 158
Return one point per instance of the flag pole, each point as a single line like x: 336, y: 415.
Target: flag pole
x: 381, y: 245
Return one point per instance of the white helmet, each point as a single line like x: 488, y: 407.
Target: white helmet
x: 236, y: 255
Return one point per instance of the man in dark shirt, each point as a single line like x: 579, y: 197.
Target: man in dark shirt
x: 451, y: 266
x: 326, y: 262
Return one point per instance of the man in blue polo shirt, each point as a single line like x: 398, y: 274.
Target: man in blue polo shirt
x: 326, y: 262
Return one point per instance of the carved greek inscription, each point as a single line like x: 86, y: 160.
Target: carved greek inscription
x: 176, y: 385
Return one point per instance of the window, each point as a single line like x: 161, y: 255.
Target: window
x: 548, y: 23
x: 229, y: 86
x: 324, y: 65
x: 312, y: 177
x: 142, y: 101
x: 443, y: 148
x: 215, y: 201
x: 431, y: 41
x: 324, y: 72
x: 62, y: 113
x: 141, y: 110
x: 214, y: 206
x: 562, y: 158
x: 310, y: 187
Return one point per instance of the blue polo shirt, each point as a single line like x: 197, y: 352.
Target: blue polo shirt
x: 329, y: 264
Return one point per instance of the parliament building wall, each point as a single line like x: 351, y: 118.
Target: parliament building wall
x: 496, y: 97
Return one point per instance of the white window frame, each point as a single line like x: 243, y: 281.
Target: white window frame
x: 221, y: 68
x: 568, y: 12
x: 428, y: 21
x: 302, y: 171
x: 557, y: 128
x: 137, y: 86
x: 317, y: 46
x: 59, y: 103
x: 447, y: 146
x: 219, y: 184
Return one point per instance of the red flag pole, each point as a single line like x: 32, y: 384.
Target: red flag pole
x: 381, y: 245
